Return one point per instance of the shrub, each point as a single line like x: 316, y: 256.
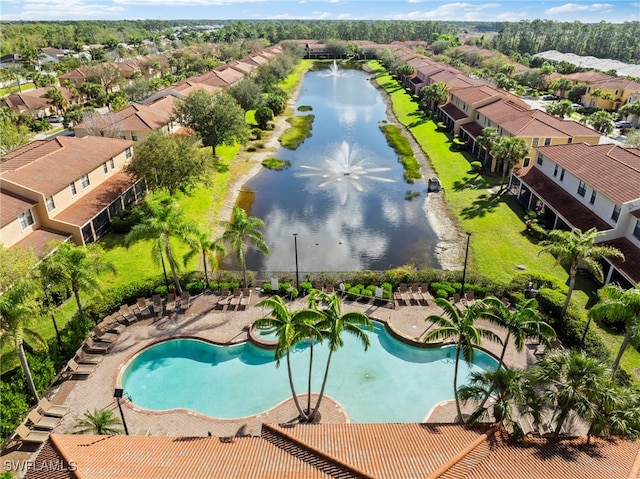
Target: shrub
x: 13, y: 407
x: 276, y: 163
x: 372, y: 288
x: 442, y: 293
x: 475, y: 166
x: 367, y: 293
x: 161, y: 290
x: 195, y: 287
x: 266, y: 288
x: 123, y: 221
x: 306, y: 286
x: 263, y: 116
x: 387, y: 287
x: 442, y: 286
x: 520, y: 282
x: 353, y: 293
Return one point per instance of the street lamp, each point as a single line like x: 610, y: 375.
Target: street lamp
x: 118, y: 395
x: 295, y: 247
x: 464, y: 270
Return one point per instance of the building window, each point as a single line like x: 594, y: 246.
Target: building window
x: 570, y: 140
x: 477, y: 116
x: 112, y: 164
x: 526, y: 162
x: 555, y: 170
x: 84, y: 181
x: 134, y: 137
x: 582, y: 188
x: 72, y: 185
x: 547, y: 141
x: 593, y: 197
x: 539, y: 159
x: 636, y: 230
x: 616, y: 213
x: 562, y: 174
x: 127, y: 152
x: 535, y: 141
x: 105, y: 168
x: 51, y: 205
x: 25, y: 219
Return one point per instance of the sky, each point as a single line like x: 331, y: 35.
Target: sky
x: 616, y: 11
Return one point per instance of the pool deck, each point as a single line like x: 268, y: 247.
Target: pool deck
x: 203, y: 320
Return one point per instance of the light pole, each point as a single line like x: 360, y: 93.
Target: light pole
x: 118, y: 395
x: 295, y: 248
x: 464, y: 270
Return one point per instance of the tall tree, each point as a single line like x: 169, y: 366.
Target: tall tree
x: 201, y: 243
x: 509, y: 150
x: 13, y: 135
x: 573, y: 248
x: 291, y: 328
x: 459, y: 326
x: 243, y: 230
x: 332, y: 326
x: 630, y: 109
x: 170, y: 162
x: 622, y: 305
x: 163, y: 222
x: 487, y: 140
x: 58, y: 100
x: 216, y: 118
x: 433, y: 95
x: 18, y: 309
x: 560, y: 108
x: 79, y: 267
x: 601, y: 121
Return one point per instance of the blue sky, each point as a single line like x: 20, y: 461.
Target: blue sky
x: 501, y: 10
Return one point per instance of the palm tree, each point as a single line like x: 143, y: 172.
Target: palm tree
x: 617, y: 412
x: 618, y: 304
x: 165, y: 221
x: 487, y: 140
x: 100, y: 422
x: 77, y: 266
x: 574, y: 248
x: 573, y: 383
x: 521, y: 323
x: 454, y: 324
x: 57, y: 99
x: 18, y: 309
x: 201, y: 243
x: 291, y: 328
x: 508, y: 150
x: 433, y: 95
x: 239, y: 230
x: 332, y: 326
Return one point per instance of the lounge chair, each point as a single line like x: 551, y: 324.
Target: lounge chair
x: 329, y: 288
x: 82, y: 357
x: 128, y: 315
x: 426, y: 295
x: 110, y: 324
x: 405, y: 294
x: 416, y: 295
x: 237, y: 296
x: 80, y: 369
x: 378, y: 294
x: 96, y: 347
x: 274, y: 285
x: 157, y: 305
x: 24, y: 434
x: 53, y: 410
x: 470, y: 297
x: 317, y: 285
x: 38, y: 421
x: 100, y: 335
x: 170, y: 304
x: 456, y: 298
x: 143, y: 307
x: 225, y: 297
x: 246, y: 298
x: 185, y: 301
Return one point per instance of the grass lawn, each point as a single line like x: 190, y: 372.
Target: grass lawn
x: 14, y: 89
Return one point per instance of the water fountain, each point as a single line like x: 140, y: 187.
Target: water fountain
x: 334, y: 70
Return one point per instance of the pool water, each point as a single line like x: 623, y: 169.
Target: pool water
x: 390, y: 382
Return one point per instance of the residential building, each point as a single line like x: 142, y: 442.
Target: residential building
x: 64, y: 187
x: 35, y: 103
x: 617, y: 91
x: 461, y: 109
x: 585, y: 186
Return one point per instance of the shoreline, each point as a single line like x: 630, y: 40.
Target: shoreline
x: 450, y: 247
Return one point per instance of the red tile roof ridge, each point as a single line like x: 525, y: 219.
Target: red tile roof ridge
x: 323, y: 455
x: 53, y: 439
x: 463, y: 453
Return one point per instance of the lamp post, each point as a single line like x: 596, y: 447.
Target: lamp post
x: 464, y: 270
x: 118, y: 395
x: 295, y: 248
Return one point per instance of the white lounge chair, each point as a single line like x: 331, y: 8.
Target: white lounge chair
x: 39, y: 421
x: 52, y: 410
x: 80, y: 369
x: 24, y: 434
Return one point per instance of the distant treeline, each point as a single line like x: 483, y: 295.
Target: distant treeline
x: 619, y: 41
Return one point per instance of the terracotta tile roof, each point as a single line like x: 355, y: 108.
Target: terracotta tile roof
x: 387, y: 451
x: 473, y: 129
x: 50, y: 165
x: 550, y: 458
x: 83, y: 210
x: 588, y: 76
x: 500, y: 111
x: 611, y: 170
x: 210, y: 78
x: 241, y: 66
x: 420, y: 62
x: 135, y: 117
x: 12, y: 205
x: 41, y: 468
x: 537, y: 123
x: 616, y: 83
x: 38, y: 239
x: 229, y: 75
x: 453, y: 111
x: 34, y: 99
x: 150, y: 457
x: 475, y: 94
x: 260, y: 60
x: 574, y: 213
x: 630, y: 267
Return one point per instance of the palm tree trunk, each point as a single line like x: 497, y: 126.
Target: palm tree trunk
x: 293, y: 389
x: 76, y: 295
x: 244, y: 274
x: 174, y: 273
x: 561, y: 419
x: 623, y: 346
x: 310, y: 367
x: 500, y: 364
x: 206, y: 276
x: 572, y: 283
x: 455, y: 385
x: 26, y: 370
x: 324, y: 383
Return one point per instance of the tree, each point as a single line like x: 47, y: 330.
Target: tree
x: 487, y: 140
x: 101, y: 422
x: 332, y: 326
x: 602, y: 121
x: 18, y: 309
x: 574, y: 248
x: 79, y: 267
x: 58, y: 100
x: 243, y: 229
x: 216, y: 118
x: 633, y: 139
x: 433, y: 95
x: 108, y: 125
x: 263, y: 116
x: 560, y: 108
x: 164, y: 222
x: 509, y: 150
x: 201, y: 243
x: 576, y: 92
x: 622, y: 305
x: 459, y: 326
x: 632, y: 109
x: 13, y: 135
x: 247, y: 93
x: 276, y: 101
x: 15, y: 263
x: 291, y: 328
x: 105, y: 74
x: 560, y: 85
x: 170, y: 162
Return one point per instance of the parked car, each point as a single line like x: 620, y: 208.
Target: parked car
x: 577, y: 106
x: 549, y: 97
x: 55, y: 119
x: 623, y: 124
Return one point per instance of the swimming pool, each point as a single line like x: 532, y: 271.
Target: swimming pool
x: 390, y: 382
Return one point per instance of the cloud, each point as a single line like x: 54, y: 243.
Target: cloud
x: 575, y: 7
x: 449, y: 11
x: 179, y: 3
x: 63, y: 9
